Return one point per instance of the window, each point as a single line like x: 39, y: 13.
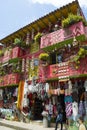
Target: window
x: 36, y: 62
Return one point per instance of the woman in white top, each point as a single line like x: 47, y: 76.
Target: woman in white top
x: 81, y: 125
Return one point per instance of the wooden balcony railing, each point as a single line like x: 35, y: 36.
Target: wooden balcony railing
x: 62, y: 34
x: 63, y: 70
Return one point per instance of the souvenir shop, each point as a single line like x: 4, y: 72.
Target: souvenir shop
x: 70, y: 94
x: 8, y: 97
x: 34, y: 96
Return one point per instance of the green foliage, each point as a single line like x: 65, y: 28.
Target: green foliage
x: 14, y: 60
x: 62, y: 44
x: 16, y: 64
x: 37, y: 37
x: 17, y: 41
x: 2, y: 72
x: 71, y: 20
x: 20, y: 43
x: 81, y: 54
x: 43, y: 56
x: 1, y: 52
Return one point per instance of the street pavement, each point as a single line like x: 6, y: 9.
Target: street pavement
x: 24, y: 126
x: 6, y: 128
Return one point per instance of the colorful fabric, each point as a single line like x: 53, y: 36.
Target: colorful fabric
x: 68, y: 109
x: 68, y: 99
x: 75, y: 110
x: 20, y: 95
x: 81, y: 108
x: 50, y: 109
x: 85, y: 104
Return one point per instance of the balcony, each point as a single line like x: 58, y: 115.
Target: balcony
x: 63, y: 34
x: 63, y: 70
x: 17, y: 52
x: 14, y: 53
x: 7, y: 56
x: 12, y: 79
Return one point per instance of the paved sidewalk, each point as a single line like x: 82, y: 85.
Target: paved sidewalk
x: 24, y: 126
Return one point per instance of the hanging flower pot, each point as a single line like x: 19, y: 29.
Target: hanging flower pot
x: 44, y: 58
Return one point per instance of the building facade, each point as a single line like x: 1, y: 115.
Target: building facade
x: 44, y: 63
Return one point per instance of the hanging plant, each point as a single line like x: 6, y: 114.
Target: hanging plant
x: 44, y: 56
x: 37, y: 37
x: 81, y: 54
x: 17, y: 41
x: 71, y: 20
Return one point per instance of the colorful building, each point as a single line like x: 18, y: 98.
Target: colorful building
x: 45, y: 62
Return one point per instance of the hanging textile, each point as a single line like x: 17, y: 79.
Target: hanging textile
x: 23, y: 65
x: 85, y: 103
x: 68, y: 105
x: 25, y: 99
x: 70, y: 86
x: 68, y: 109
x: 20, y: 95
x: 27, y: 65
x: 47, y: 87
x: 82, y: 111
x: 75, y: 110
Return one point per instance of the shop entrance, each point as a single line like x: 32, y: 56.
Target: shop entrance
x: 37, y: 107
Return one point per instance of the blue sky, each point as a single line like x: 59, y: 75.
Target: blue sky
x: 15, y: 14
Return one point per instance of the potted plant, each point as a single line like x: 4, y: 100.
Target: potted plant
x: 71, y: 19
x: 37, y: 37
x: 44, y: 56
x: 18, y: 42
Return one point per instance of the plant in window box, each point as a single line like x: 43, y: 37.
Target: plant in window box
x: 37, y: 37
x: 71, y: 19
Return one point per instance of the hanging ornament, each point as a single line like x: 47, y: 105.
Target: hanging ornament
x: 70, y: 86
x: 27, y: 64
x: 32, y: 63
x: 23, y: 65
x: 28, y: 39
x: 32, y: 34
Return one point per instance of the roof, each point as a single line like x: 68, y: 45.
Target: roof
x: 43, y: 22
